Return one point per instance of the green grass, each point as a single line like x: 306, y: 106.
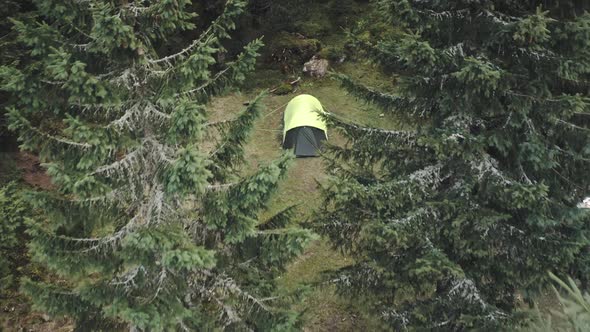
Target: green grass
x: 322, y: 309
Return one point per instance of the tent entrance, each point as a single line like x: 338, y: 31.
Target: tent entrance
x: 305, y: 141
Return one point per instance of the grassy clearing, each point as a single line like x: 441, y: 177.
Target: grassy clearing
x: 323, y: 309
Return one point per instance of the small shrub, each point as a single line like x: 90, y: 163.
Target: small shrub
x: 314, y: 29
x: 283, y: 89
x: 333, y: 54
x: 344, y: 12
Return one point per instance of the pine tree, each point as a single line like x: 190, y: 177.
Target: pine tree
x: 149, y: 225
x: 454, y: 218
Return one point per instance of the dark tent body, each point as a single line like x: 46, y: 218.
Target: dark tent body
x: 305, y: 141
x: 304, y: 130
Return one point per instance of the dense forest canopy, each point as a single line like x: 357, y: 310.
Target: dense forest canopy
x: 144, y: 197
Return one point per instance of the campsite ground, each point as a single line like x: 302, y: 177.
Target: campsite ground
x: 324, y: 310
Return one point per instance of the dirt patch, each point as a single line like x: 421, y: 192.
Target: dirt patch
x: 32, y: 171
x: 17, y: 317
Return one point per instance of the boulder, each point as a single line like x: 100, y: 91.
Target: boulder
x: 316, y: 67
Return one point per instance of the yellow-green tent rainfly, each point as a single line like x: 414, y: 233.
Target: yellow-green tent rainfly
x: 304, y: 130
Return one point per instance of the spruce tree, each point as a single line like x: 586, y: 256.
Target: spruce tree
x: 149, y: 225
x: 456, y: 217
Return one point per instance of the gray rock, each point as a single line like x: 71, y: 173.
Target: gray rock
x: 316, y: 67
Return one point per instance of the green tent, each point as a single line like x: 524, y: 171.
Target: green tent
x: 304, y: 130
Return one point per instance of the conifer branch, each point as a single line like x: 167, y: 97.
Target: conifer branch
x: 60, y: 140
x: 229, y: 151
x: 486, y: 165
x: 220, y: 187
x: 233, y: 69
x: 232, y: 9
x: 133, y: 116
x: 210, y: 82
x: 571, y: 125
x: 132, y: 158
x: 362, y: 131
